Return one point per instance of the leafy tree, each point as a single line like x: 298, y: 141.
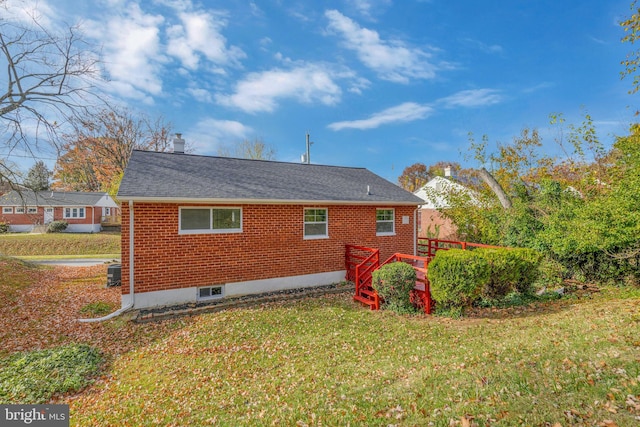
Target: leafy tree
x: 94, y: 157
x: 49, y: 77
x: 247, y: 149
x: 38, y: 177
x: 631, y: 27
x: 414, y: 177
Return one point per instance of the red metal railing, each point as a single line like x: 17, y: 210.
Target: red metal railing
x: 430, y: 248
x: 360, y: 263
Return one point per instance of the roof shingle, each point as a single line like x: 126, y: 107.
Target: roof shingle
x: 167, y: 176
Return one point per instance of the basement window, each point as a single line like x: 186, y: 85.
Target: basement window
x: 210, y: 220
x: 385, y: 222
x: 210, y: 292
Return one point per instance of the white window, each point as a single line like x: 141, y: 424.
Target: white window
x: 210, y: 292
x: 210, y: 220
x: 32, y: 210
x: 385, y: 222
x: 107, y: 211
x: 19, y: 209
x: 74, y: 213
x: 7, y: 209
x: 315, y: 223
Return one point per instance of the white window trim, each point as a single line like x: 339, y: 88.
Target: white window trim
x: 31, y: 210
x: 393, y: 222
x: 211, y: 297
x: 317, y: 236
x: 20, y: 210
x: 7, y: 210
x: 210, y: 230
x: 84, y: 212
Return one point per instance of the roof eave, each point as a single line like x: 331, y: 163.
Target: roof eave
x: 264, y: 201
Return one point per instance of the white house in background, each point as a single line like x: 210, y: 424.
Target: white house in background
x: 85, y: 212
x: 431, y: 223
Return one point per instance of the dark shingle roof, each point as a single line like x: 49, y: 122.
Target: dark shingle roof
x: 55, y: 198
x: 167, y: 176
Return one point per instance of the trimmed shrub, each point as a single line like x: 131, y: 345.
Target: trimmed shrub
x: 4, y: 227
x: 57, y: 226
x: 457, y: 277
x: 511, y: 269
x: 504, y: 272
x: 394, y: 282
x: 528, y: 267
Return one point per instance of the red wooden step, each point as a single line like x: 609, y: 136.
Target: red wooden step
x: 366, y: 301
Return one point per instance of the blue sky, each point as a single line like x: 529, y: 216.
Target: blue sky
x: 380, y: 84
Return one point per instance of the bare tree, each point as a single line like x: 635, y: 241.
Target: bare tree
x: 246, y: 149
x: 50, y: 76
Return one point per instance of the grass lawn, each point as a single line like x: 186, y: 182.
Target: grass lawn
x: 329, y: 361
x: 73, y: 244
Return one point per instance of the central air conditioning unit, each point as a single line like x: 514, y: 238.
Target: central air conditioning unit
x: 114, y: 275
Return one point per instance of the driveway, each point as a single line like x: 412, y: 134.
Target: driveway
x: 79, y: 262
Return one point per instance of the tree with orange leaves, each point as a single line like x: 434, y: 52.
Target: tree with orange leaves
x: 93, y: 158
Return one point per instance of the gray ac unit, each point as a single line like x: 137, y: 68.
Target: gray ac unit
x: 114, y: 274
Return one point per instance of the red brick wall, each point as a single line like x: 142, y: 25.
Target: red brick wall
x: 270, y: 246
x: 433, y: 224
x: 58, y: 215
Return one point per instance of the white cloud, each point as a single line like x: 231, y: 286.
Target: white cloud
x: 28, y: 11
x: 472, y: 98
x: 392, y: 60
x: 199, y: 35
x: 201, y: 95
x: 304, y: 83
x: 209, y: 134
x: 365, y: 7
x: 487, y: 48
x: 406, y: 112
x: 132, y: 53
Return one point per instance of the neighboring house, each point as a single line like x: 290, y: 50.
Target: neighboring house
x: 196, y: 228
x: 431, y: 223
x: 85, y: 212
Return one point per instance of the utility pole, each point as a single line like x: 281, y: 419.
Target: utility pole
x: 306, y: 158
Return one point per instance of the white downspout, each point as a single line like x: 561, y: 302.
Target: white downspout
x: 131, y: 275
x: 415, y: 232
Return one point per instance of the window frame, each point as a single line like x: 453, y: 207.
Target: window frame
x: 325, y: 222
x: 386, y: 221
x: 210, y: 230
x: 215, y: 296
x: 79, y: 209
x: 32, y: 210
x: 20, y: 210
x: 7, y: 210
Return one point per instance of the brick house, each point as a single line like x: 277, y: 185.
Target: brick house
x: 431, y: 222
x: 198, y: 227
x: 85, y: 212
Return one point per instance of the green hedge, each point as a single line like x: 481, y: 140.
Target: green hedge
x: 393, y: 282
x: 511, y: 270
x: 460, y: 277
x: 457, y: 276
